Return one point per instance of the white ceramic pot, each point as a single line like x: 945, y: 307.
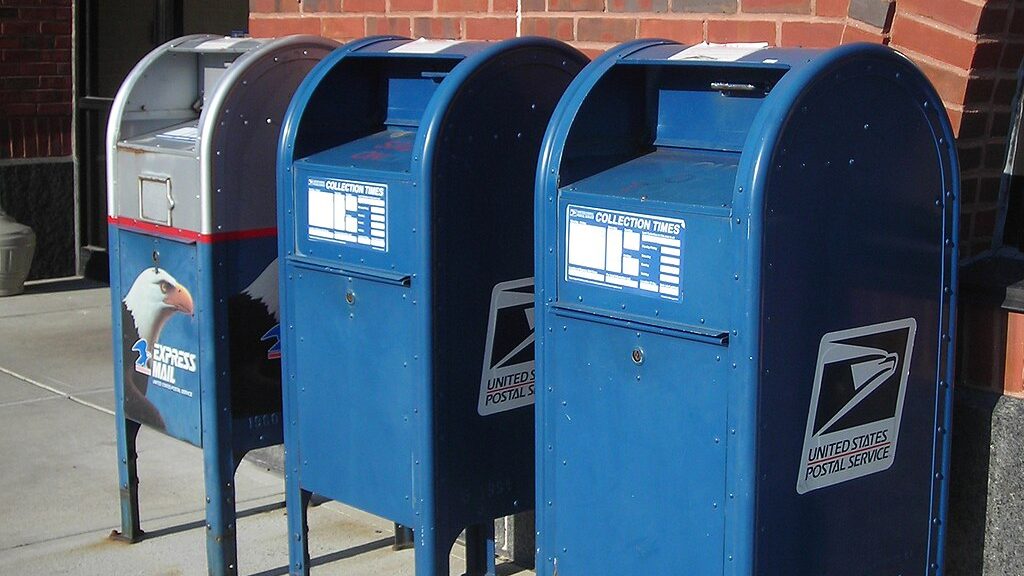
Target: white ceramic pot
x: 17, y: 246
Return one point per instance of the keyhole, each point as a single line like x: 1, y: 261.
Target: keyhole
x: 638, y: 356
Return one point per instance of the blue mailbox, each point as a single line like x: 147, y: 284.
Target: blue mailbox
x: 191, y: 146
x: 406, y: 175
x: 746, y: 260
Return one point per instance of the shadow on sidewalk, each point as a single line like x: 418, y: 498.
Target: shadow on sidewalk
x: 334, y: 556
x: 148, y: 535
x: 505, y: 569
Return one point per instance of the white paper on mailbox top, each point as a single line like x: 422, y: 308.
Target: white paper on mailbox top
x: 424, y: 46
x: 220, y: 43
x: 730, y: 52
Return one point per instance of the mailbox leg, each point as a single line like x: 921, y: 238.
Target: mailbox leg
x: 128, y: 481
x: 297, y: 501
x: 221, y: 550
x: 432, y: 553
x: 480, y: 550
x: 403, y: 538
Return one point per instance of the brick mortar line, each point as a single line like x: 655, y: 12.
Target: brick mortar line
x: 810, y: 19
x: 980, y: 143
x: 972, y: 174
x: 487, y: 15
x: 865, y: 27
x: 929, y: 59
x: 992, y: 74
x: 975, y: 208
x: 781, y: 18
x: 983, y: 171
x: 280, y: 16
x: 937, y: 25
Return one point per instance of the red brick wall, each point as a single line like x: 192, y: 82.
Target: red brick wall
x: 35, y: 78
x: 970, y: 49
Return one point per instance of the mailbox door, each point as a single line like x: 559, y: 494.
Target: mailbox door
x: 357, y: 378
x: 160, y: 334
x: 632, y: 446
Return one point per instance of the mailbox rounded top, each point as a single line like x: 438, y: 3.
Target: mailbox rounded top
x: 648, y: 95
x: 389, y: 83
x: 172, y: 117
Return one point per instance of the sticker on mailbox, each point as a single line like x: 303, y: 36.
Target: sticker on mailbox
x: 348, y: 212
x: 860, y: 381
x: 635, y: 253
x: 508, y: 380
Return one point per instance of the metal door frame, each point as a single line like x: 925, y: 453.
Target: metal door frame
x: 89, y: 127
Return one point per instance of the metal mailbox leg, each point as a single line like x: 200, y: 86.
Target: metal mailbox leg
x: 432, y: 553
x: 221, y: 548
x: 480, y: 550
x: 403, y: 538
x: 297, y: 501
x: 128, y: 479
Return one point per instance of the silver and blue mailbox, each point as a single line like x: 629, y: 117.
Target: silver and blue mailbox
x: 406, y: 176
x: 191, y: 146
x: 746, y: 266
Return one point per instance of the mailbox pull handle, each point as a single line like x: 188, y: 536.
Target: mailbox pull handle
x: 634, y: 322
x: 387, y: 277
x: 377, y: 275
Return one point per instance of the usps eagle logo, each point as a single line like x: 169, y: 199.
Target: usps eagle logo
x: 860, y: 383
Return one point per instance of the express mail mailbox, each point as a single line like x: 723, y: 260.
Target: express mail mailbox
x: 191, y: 146
x: 406, y: 178
x: 746, y: 260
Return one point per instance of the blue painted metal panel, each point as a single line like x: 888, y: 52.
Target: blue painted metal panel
x: 386, y: 151
x: 637, y: 450
x: 388, y: 308
x: 820, y: 255
x: 161, y: 355
x: 365, y: 432
x: 879, y: 238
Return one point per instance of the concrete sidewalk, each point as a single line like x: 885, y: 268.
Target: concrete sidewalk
x: 59, y: 473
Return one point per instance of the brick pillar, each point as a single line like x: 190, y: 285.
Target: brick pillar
x: 36, y: 169
x: 35, y: 79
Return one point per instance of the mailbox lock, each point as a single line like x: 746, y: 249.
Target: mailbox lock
x: 638, y: 356
x: 350, y: 297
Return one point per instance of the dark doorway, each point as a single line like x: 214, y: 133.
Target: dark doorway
x: 112, y: 35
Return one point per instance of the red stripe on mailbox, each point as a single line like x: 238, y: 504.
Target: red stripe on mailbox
x: 189, y: 235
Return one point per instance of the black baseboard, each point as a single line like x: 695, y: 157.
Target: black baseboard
x: 42, y: 195
x: 985, y: 508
